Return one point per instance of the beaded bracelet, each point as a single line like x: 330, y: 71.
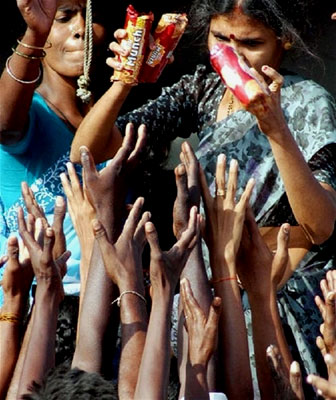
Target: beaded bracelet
x: 28, y: 56
x: 10, y: 317
x: 118, y: 299
x: 10, y: 73
x: 30, y: 46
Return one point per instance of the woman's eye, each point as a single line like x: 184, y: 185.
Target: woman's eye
x: 221, y: 38
x: 63, y: 17
x: 251, y: 43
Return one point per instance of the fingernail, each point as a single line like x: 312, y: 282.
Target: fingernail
x: 59, y: 201
x: 233, y: 163
x: 83, y: 152
x: 221, y: 158
x: 295, y: 367
x: 95, y: 224
x: 265, y: 68
x: 181, y: 169
x: 285, y: 229
x: 309, y: 379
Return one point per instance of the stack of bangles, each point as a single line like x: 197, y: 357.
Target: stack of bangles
x: 10, y: 317
x: 27, y: 57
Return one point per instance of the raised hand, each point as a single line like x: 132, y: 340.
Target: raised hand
x: 17, y: 278
x: 285, y: 387
x: 106, y: 189
x: 202, y: 329
x: 224, y: 216
x: 188, y: 188
x: 123, y: 259
x: 48, y: 272
x: 38, y: 14
x: 259, y: 270
x: 35, y: 210
x: 325, y: 388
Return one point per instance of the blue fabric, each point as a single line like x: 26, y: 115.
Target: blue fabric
x: 38, y: 159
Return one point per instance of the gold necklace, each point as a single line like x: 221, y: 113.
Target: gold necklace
x: 230, y: 106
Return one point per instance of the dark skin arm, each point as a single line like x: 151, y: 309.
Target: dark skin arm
x: 224, y: 225
x: 16, y: 283
x: 165, y: 270
x: 123, y: 264
x: 260, y: 274
x: 40, y: 354
x: 15, y: 97
x: 202, y: 335
x: 188, y: 195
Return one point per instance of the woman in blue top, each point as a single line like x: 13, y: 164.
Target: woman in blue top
x: 37, y: 124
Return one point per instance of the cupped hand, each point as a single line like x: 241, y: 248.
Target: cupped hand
x: 202, y: 329
x: 122, y: 259
x: 38, y: 14
x: 188, y: 189
x: 224, y: 216
x: 120, y: 48
x: 166, y: 266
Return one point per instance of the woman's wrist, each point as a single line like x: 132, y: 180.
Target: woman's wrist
x: 34, y: 38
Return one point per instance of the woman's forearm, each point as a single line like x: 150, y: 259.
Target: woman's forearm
x: 313, y: 206
x: 16, y: 97
x: 97, y: 131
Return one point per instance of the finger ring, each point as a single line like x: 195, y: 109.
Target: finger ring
x: 220, y: 192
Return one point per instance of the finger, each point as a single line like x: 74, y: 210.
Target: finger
x: 321, y: 345
x: 140, y: 235
x: 133, y: 159
x: 295, y: 379
x: 76, y: 187
x: 181, y: 183
x: 324, y: 288
x: 260, y: 79
x: 59, y: 215
x: 89, y: 168
x: 333, y: 16
x: 30, y: 201
x: 329, y: 279
x: 192, y: 306
x: 30, y: 224
x: 66, y: 186
x: 220, y: 176
x: 232, y: 182
x: 187, y: 239
x: 61, y: 262
x: 22, y: 225
x: 3, y: 260
x: 48, y: 244
x: 245, y: 197
x: 13, y: 249
x: 207, y: 198
x: 133, y: 218
x: 184, y: 299
x: 214, y: 312
x: 120, y: 34
x: 324, y: 388
x: 281, y: 255
x: 329, y: 319
x: 153, y: 239
x: 192, y: 164
x: 277, y: 79
x: 105, y: 246
x: 126, y: 148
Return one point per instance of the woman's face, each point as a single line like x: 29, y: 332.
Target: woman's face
x: 66, y: 54
x: 257, y: 44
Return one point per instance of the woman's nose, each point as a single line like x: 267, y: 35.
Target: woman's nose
x: 78, y: 27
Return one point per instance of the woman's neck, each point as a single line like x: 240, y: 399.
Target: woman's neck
x: 60, y: 95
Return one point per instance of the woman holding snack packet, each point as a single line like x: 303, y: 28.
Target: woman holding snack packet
x: 40, y: 111
x: 283, y: 136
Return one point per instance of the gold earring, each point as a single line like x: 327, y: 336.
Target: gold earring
x: 288, y: 45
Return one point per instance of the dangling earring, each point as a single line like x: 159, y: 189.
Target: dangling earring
x: 287, y: 45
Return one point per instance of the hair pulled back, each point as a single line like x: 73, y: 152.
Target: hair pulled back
x: 294, y: 20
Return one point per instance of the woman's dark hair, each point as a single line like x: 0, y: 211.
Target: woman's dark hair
x: 296, y: 20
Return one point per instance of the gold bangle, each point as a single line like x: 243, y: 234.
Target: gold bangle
x: 10, y: 317
x: 28, y: 56
x: 30, y: 46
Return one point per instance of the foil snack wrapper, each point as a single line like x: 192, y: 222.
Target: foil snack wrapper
x: 235, y: 73
x: 166, y: 37
x: 138, y: 28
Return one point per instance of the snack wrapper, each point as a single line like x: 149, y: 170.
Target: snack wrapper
x: 138, y: 27
x: 235, y: 73
x: 166, y: 37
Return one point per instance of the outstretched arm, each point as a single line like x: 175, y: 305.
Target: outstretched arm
x: 295, y: 173
x: 165, y: 270
x: 224, y: 225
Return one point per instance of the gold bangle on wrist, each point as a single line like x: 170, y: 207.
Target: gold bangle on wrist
x: 27, y: 56
x: 10, y: 317
x: 30, y: 46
